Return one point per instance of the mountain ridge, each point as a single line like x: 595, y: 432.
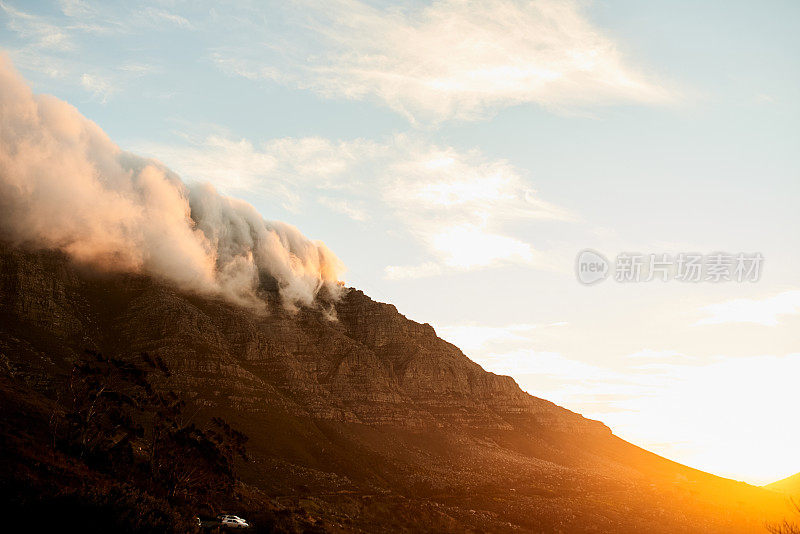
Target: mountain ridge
x: 368, y: 406
x: 789, y: 485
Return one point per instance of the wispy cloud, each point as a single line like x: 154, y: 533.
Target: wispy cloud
x: 465, y: 247
x: 456, y: 204
x: 38, y: 31
x: 98, y: 86
x: 766, y: 311
x: 104, y: 18
x: 46, y: 64
x: 55, y: 44
x: 138, y: 69
x: 251, y: 70
x: 449, y: 59
x: 161, y: 16
x: 460, y: 59
x: 283, y: 168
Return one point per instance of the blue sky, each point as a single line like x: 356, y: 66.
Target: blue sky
x: 457, y: 156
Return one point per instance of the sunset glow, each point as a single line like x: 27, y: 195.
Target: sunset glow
x: 454, y: 178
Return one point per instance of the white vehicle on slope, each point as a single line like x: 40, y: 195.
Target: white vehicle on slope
x: 232, y: 521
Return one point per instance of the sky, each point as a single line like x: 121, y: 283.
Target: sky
x: 457, y: 156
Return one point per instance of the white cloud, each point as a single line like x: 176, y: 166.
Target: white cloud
x: 138, y: 69
x: 444, y: 180
x: 287, y: 168
x: 229, y: 164
x: 460, y: 59
x: 71, y: 188
x: 32, y: 59
x: 765, y: 311
x: 99, y: 87
x: 161, y: 16
x: 76, y: 8
x: 246, y: 69
x: 39, y: 32
x: 467, y: 246
x: 456, y: 204
x: 54, y: 44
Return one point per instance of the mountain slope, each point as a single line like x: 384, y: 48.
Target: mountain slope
x: 367, y: 421
x: 789, y: 485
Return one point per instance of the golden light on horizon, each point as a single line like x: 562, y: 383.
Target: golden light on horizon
x: 727, y: 416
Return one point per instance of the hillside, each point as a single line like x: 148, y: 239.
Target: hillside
x: 358, y: 418
x: 789, y: 485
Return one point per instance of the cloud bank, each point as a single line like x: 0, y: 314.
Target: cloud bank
x: 459, y: 204
x: 64, y: 184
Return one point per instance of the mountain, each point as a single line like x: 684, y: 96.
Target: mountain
x: 358, y: 418
x: 789, y: 485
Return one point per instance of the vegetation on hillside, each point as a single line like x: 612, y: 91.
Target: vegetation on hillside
x: 118, y: 452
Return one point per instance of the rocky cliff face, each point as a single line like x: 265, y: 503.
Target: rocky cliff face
x: 367, y: 364
x: 368, y: 420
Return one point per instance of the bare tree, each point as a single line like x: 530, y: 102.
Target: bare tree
x: 787, y: 526
x: 104, y: 393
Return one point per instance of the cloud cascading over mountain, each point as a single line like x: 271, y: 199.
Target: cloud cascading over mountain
x: 64, y: 184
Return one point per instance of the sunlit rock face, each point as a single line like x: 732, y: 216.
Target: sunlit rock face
x: 351, y: 359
